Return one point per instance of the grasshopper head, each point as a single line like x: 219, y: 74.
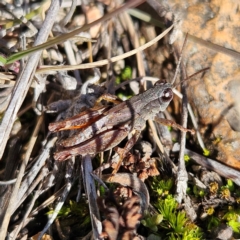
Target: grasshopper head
x: 166, y: 94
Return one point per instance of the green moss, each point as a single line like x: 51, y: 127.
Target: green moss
x: 162, y: 187
x: 176, y: 221
x: 73, y: 208
x: 231, y: 217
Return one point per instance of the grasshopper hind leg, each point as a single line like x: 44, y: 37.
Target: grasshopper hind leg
x: 101, y: 142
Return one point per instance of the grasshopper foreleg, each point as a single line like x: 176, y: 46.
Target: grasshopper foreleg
x: 108, y: 97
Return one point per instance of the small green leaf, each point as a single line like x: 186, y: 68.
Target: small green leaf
x: 3, y: 61
x: 157, y: 218
x: 151, y: 222
x: 230, y: 185
x: 213, y: 223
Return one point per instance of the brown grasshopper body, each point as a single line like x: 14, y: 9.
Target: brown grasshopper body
x: 103, y: 128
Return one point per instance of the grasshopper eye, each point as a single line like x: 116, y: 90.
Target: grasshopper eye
x: 167, y: 95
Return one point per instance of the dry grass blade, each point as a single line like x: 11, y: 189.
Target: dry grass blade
x: 92, y: 197
x: 10, y: 208
x: 24, y: 81
x: 106, y: 61
x: 24, y: 221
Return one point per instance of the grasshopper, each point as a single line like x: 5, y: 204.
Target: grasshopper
x: 102, y: 128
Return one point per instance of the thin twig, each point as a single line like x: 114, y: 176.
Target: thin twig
x: 194, y: 122
x: 182, y: 176
x: 217, y: 167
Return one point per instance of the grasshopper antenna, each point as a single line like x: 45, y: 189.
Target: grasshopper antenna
x: 179, y: 61
x: 194, y: 74
x: 178, y: 66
